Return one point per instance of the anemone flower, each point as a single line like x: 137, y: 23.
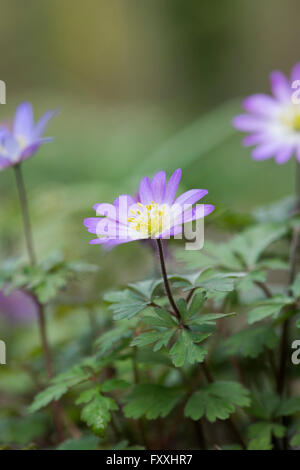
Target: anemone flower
x: 25, y: 137
x: 273, y: 122
x: 153, y: 213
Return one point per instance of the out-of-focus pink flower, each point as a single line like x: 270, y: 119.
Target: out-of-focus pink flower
x: 18, y: 306
x: 24, y: 138
x: 273, y: 122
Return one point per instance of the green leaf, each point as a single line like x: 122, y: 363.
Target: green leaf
x: 166, y: 317
x: 59, y: 386
x: 146, y: 288
x: 289, y: 406
x: 295, y: 441
x: 114, y: 384
x: 160, y: 338
x: 182, y: 307
x: 276, y: 211
x: 260, y: 435
x: 96, y: 413
x: 220, y: 282
x: 186, y: 278
x: 208, y: 318
x: 270, y: 307
x: 252, y: 341
x: 151, y: 401
x: 264, y: 405
x: 161, y: 319
x: 23, y: 429
x: 213, y: 255
x: 87, y: 442
x: 125, y: 304
x: 178, y: 351
x: 251, y: 244
x: 187, y: 349
x: 196, y: 353
x: 46, y: 279
x: 112, y: 339
x: 197, y: 302
x: 217, y: 401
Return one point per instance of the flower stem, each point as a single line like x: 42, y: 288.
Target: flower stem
x: 285, y: 327
x: 25, y: 213
x: 56, y: 411
x: 297, y: 186
x: 204, y: 366
x: 166, y: 282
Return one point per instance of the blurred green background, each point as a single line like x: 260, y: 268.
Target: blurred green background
x: 142, y: 85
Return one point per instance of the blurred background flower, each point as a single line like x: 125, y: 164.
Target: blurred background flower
x: 148, y: 85
x: 142, y: 86
x: 25, y: 137
x: 273, y: 121
x: 18, y: 306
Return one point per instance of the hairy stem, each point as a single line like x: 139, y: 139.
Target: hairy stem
x: 25, y: 213
x: 166, y: 282
x: 264, y: 288
x: 285, y: 326
x: 297, y: 186
x: 204, y: 366
x: 56, y: 412
x: 282, y: 373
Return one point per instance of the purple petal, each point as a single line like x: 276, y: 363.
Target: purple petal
x: 11, y: 146
x: 145, y: 191
x: 247, y: 123
x: 118, y: 211
x: 172, y: 187
x: 4, y: 162
x: 194, y: 213
x: 104, y: 209
x: 3, y: 131
x: 253, y: 139
x: 191, y: 196
x: 42, y: 123
x: 29, y: 151
x: 23, y: 122
x: 295, y: 74
x: 125, y: 199
x: 171, y: 232
x: 261, y: 104
x: 265, y: 151
x: 103, y: 226
x: 112, y: 243
x: 284, y: 154
x: 108, y: 242
x: 159, y: 186
x: 280, y: 86
x: 122, y: 206
x: 98, y: 241
x: 18, y: 306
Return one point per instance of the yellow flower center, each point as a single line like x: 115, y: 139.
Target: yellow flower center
x: 149, y: 219
x: 291, y: 118
x: 21, y: 141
